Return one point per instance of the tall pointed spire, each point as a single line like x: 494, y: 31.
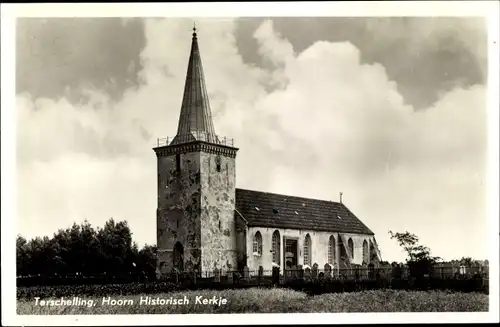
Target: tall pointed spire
x: 195, y: 122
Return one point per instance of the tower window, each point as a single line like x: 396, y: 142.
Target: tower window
x: 217, y: 163
x: 178, y: 162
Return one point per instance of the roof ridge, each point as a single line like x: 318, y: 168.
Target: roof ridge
x: 291, y: 196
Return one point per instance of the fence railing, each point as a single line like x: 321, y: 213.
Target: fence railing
x: 195, y: 136
x: 354, y: 273
x: 275, y: 275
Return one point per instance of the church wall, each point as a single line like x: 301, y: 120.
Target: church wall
x: 358, y: 245
x: 178, y: 210
x: 319, y: 246
x: 218, y: 231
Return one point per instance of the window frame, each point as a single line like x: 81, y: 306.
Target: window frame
x: 257, y: 244
x: 276, y: 246
x: 307, y: 249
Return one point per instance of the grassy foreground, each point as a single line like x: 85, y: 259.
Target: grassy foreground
x: 258, y: 300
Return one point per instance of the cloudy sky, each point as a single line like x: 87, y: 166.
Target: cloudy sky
x: 389, y: 111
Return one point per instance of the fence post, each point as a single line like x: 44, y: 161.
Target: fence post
x: 246, y: 273
x: 276, y: 275
x: 261, y: 273
x: 230, y: 277
x: 216, y: 275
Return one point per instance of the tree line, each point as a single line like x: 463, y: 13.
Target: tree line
x: 85, y: 251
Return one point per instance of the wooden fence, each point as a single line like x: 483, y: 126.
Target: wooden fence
x: 262, y: 276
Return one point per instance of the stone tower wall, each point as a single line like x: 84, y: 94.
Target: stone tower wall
x: 178, y: 214
x: 218, y: 193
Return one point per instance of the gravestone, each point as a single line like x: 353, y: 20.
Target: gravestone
x: 261, y: 273
x: 300, y: 272
x: 276, y: 275
x: 294, y: 271
x: 246, y: 273
x: 336, y: 271
x: 307, y: 274
x: 328, y: 270
x: 314, y: 271
x: 175, y: 275
x: 371, y: 271
x: 230, y: 277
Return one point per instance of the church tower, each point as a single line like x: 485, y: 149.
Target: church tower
x: 196, y: 186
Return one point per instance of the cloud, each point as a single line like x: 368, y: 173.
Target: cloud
x: 275, y: 49
x: 315, y: 123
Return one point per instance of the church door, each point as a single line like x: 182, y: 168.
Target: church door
x: 179, y: 256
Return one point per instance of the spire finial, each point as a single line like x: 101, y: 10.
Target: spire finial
x: 194, y: 29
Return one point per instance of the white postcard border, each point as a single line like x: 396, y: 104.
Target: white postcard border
x: 9, y: 12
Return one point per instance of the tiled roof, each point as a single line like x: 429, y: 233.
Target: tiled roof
x: 283, y: 211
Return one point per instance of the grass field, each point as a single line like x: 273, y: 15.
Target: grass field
x: 273, y: 301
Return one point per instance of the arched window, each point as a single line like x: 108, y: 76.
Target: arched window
x: 350, y: 246
x: 307, y: 250
x: 276, y: 247
x: 331, y: 250
x: 366, y: 253
x: 257, y: 244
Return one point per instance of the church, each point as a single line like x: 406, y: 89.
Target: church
x: 204, y: 222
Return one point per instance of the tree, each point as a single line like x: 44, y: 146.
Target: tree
x: 85, y: 251
x: 419, y: 260
x: 22, y: 256
x: 146, y: 261
x: 466, y: 261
